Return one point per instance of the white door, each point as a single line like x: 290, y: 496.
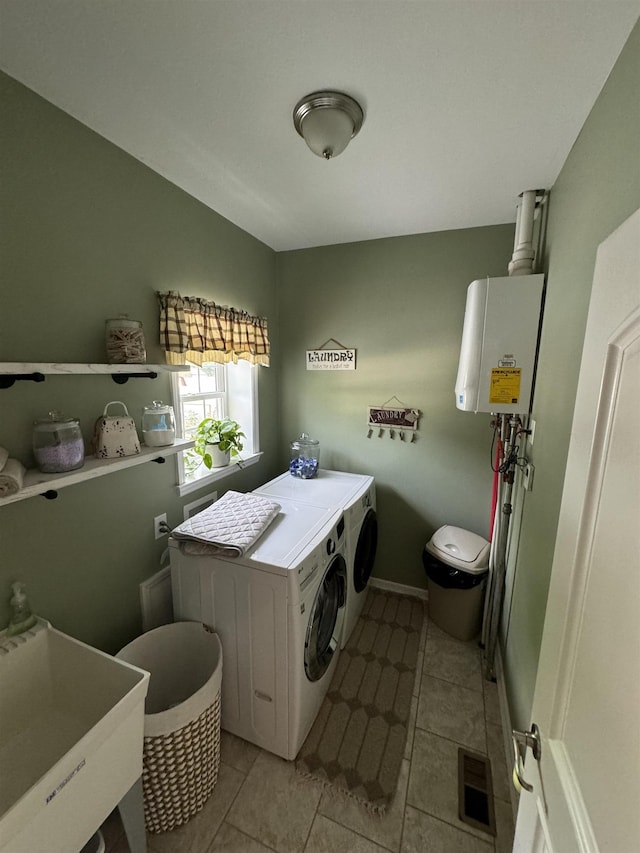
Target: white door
x: 586, y: 786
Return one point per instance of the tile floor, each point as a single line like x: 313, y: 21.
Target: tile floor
x: 261, y: 805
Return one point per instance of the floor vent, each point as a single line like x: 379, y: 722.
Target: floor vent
x: 475, y: 791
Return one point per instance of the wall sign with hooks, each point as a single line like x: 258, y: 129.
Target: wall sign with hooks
x: 398, y: 419
x: 324, y: 358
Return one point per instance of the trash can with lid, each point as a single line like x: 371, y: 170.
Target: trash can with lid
x: 457, y: 563
x: 181, y: 754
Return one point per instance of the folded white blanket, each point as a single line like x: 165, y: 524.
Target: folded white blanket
x: 4, y: 455
x: 230, y: 526
x: 11, y: 478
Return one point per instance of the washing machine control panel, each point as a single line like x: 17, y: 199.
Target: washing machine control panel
x: 322, y: 553
x: 335, y: 539
x: 310, y: 565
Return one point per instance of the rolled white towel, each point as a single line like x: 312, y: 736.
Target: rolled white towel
x: 4, y: 455
x: 11, y: 478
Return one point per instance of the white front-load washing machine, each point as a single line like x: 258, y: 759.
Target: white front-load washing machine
x: 279, y: 612
x: 355, y: 494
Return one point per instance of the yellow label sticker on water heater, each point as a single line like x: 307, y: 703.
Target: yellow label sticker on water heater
x: 505, y: 385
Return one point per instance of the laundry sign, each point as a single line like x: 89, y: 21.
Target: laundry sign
x: 401, y: 418
x: 331, y: 359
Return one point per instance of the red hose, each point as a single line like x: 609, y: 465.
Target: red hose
x: 496, y: 482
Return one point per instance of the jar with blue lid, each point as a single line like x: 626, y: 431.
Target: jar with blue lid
x: 305, y: 457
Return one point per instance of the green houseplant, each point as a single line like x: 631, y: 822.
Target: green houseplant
x: 217, y: 440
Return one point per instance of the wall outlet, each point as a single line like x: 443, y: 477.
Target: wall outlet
x: 527, y: 477
x: 160, y: 526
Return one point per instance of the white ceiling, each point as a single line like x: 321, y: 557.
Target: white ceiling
x: 466, y: 103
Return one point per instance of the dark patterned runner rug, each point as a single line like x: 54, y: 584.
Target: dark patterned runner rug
x: 357, y: 742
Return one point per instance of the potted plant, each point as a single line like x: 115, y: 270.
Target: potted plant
x: 217, y: 440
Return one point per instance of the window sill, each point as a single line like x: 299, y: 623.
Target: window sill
x: 216, y: 474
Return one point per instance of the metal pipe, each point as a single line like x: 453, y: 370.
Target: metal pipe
x: 516, y: 230
x: 488, y: 594
x: 523, y: 253
x: 502, y: 420
x: 499, y: 573
x: 526, y: 218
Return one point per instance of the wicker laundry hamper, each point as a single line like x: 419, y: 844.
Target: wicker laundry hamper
x: 181, y: 722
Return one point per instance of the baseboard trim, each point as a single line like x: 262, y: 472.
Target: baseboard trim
x: 400, y: 588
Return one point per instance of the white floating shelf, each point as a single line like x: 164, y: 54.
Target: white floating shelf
x: 27, y: 368
x: 36, y: 483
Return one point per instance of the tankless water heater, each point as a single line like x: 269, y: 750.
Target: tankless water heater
x: 499, y: 342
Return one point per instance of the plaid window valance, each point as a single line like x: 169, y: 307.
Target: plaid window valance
x: 195, y: 330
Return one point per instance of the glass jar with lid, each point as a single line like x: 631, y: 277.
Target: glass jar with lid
x: 158, y: 425
x: 305, y: 457
x: 58, y: 444
x: 124, y: 340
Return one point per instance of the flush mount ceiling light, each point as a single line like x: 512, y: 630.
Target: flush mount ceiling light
x: 327, y: 121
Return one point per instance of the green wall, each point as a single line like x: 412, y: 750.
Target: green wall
x: 87, y: 233
x: 597, y: 189
x: 400, y: 303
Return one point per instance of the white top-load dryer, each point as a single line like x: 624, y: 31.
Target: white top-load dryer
x: 279, y: 612
x: 355, y: 495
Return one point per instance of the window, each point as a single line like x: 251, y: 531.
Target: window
x: 215, y: 391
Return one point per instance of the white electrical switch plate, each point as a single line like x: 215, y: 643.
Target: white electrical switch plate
x: 527, y: 477
x: 532, y: 431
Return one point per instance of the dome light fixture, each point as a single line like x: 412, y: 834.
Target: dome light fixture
x: 327, y: 121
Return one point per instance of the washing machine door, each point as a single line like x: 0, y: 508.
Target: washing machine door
x: 325, y: 620
x: 365, y: 550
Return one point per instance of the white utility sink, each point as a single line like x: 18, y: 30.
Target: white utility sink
x: 71, y: 739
